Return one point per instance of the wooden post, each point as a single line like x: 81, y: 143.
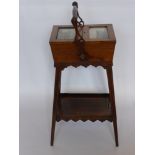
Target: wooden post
x: 57, y: 90
x: 112, y: 99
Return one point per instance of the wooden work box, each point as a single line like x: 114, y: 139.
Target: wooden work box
x: 99, y: 44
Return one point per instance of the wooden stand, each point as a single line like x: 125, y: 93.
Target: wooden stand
x: 83, y: 106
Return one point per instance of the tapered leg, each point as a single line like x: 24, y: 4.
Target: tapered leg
x: 55, y: 102
x: 115, y: 131
x: 53, y: 125
x: 112, y: 98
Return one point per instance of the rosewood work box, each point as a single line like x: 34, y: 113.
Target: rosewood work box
x: 83, y: 45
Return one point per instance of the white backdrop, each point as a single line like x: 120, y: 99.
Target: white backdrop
x: 37, y: 78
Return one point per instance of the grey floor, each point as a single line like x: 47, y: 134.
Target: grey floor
x: 73, y: 138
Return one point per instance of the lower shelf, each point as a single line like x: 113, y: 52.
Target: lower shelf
x: 85, y: 107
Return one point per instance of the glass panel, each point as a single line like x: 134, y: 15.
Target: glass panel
x: 66, y: 34
x: 98, y: 33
